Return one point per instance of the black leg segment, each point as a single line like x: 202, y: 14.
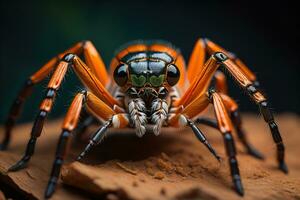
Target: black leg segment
x: 61, y: 151
x: 96, y: 139
x: 35, y: 133
x: 208, y: 122
x: 268, y: 117
x: 201, y: 137
x: 234, y: 169
x: 15, y: 112
x: 85, y: 121
x: 236, y: 119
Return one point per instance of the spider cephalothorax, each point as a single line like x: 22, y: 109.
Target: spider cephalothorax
x: 150, y: 84
x: 145, y: 77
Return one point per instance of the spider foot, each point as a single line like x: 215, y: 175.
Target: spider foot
x: 85, y: 151
x: 80, y: 157
x: 50, y: 188
x: 21, y: 164
x: 283, y: 167
x: 212, y: 150
x: 255, y: 153
x: 238, y: 185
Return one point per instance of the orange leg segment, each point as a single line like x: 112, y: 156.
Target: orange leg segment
x: 197, y: 60
x: 233, y: 109
x: 221, y: 83
x: 69, y: 124
x: 92, y: 58
x: 261, y: 100
x: 225, y: 127
x: 90, y: 81
x: 213, y: 48
x: 201, y: 83
x: 87, y: 78
x: 183, y: 115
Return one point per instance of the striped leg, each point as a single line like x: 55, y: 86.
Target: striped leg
x: 15, y: 112
x: 225, y: 127
x: 200, y: 85
x: 99, y: 108
x: 262, y: 102
x: 183, y: 115
x: 86, y: 77
x: 232, y: 107
x: 93, y: 60
x: 70, y: 122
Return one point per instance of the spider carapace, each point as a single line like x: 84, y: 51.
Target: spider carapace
x: 148, y: 83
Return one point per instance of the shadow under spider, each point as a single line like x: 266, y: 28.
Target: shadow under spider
x: 126, y: 146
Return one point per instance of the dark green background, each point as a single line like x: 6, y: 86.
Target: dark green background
x: 265, y: 36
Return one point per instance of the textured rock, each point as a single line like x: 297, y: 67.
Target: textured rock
x: 173, y: 165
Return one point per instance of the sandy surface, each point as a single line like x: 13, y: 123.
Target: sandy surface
x: 173, y: 165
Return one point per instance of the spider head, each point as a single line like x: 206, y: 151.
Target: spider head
x: 146, y: 74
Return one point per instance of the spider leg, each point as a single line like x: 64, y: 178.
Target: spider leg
x: 70, y: 122
x: 45, y: 108
x: 201, y: 137
x: 96, y: 139
x: 182, y: 118
x: 208, y: 122
x: 88, y: 80
x: 235, y: 118
x: 232, y: 107
x: 14, y: 113
x: 225, y: 127
x: 85, y: 121
x: 92, y: 58
x: 196, y: 60
x: 95, y: 105
x: 220, y: 82
x: 112, y: 117
x: 212, y: 48
x: 200, y: 85
x: 262, y: 102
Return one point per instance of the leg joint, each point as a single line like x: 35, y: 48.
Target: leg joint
x: 265, y: 111
x: 50, y: 94
x: 83, y: 42
x: 229, y: 143
x: 69, y: 57
x: 84, y: 93
x: 256, y: 84
x: 210, y: 92
x: 220, y: 57
x: 251, y: 89
x: 236, y: 118
x: 275, y: 132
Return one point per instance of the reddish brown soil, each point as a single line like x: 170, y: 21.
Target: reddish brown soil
x: 173, y: 165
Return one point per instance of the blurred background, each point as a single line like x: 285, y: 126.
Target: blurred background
x: 265, y: 35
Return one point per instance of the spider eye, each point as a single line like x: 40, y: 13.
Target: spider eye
x: 120, y: 75
x: 173, y: 75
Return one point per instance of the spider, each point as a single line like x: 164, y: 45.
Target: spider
x: 148, y: 84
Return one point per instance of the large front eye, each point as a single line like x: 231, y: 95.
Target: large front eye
x: 120, y: 75
x: 173, y: 75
